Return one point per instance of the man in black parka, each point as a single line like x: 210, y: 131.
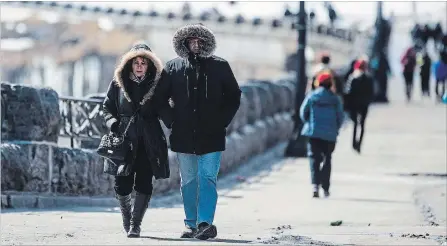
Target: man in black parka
x: 205, y: 97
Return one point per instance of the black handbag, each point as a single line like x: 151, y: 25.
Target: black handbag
x: 113, y: 148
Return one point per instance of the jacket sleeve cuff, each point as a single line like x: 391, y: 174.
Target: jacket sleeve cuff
x: 110, y: 122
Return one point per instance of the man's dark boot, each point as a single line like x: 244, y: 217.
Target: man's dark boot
x: 140, y: 204
x: 206, y: 231
x: 126, y: 209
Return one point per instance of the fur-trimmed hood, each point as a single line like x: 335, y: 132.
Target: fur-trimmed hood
x: 196, y: 31
x: 141, y: 50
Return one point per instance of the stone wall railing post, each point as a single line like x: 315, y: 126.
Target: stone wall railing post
x: 70, y: 117
x: 50, y: 167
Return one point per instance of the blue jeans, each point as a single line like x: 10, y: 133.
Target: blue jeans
x: 198, y: 186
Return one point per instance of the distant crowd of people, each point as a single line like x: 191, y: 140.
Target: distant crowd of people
x: 417, y: 57
x: 420, y: 34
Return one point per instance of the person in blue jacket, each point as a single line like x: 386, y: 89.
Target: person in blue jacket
x: 322, y: 114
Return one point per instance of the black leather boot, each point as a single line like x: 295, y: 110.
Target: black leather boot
x: 140, y: 204
x: 126, y: 210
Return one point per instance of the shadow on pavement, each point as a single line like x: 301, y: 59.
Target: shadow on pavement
x: 232, y: 197
x: 295, y: 240
x: 78, y: 209
x: 368, y: 200
x: 252, y: 171
x: 434, y: 175
x: 218, y: 240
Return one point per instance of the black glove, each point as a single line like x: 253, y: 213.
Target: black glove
x: 114, y: 127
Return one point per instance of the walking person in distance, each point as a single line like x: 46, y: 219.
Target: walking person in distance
x: 322, y: 114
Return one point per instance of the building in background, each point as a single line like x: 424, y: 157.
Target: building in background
x: 74, y: 49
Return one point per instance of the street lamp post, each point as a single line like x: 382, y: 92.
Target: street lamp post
x: 297, y: 145
x: 379, y: 53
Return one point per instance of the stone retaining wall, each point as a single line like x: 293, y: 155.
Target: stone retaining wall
x: 262, y: 121
x: 29, y: 113
x: 29, y: 166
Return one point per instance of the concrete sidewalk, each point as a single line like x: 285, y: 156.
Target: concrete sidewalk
x: 391, y: 194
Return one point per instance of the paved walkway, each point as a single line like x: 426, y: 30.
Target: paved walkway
x: 394, y: 193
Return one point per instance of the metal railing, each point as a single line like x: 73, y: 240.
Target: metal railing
x: 82, y: 119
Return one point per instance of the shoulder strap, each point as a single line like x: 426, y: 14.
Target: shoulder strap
x: 119, y: 94
x: 117, y: 101
x: 132, y: 119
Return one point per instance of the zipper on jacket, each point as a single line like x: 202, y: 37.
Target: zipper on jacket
x: 187, y: 77
x: 187, y: 84
x: 206, y: 85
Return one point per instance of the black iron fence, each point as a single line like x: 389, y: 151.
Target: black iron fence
x: 82, y: 119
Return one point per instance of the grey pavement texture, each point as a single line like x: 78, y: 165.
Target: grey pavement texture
x: 391, y: 194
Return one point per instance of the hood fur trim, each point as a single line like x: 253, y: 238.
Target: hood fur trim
x: 118, y: 76
x: 196, y: 31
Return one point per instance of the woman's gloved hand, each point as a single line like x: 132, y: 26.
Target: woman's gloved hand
x: 114, y: 127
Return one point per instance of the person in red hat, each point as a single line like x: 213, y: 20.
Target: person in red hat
x: 324, y: 66
x: 359, y: 93
x: 322, y: 114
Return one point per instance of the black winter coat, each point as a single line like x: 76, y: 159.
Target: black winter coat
x: 203, y: 107
x: 359, y: 90
x: 426, y: 66
x: 119, y: 105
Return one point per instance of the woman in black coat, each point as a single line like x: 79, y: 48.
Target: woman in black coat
x: 137, y: 88
x: 359, y: 93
